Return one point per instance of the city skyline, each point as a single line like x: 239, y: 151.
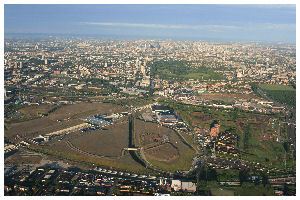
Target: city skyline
x: 268, y: 23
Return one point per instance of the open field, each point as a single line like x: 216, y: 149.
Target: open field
x: 218, y: 191
x: 104, y: 142
x: 108, y: 144
x: 148, y: 132
x: 65, y: 116
x: 182, y: 70
x: 163, y: 147
x: 34, y: 111
x: 228, y: 98
x: 98, y: 142
x: 276, y: 87
x: 253, y: 190
x: 283, y: 94
x: 24, y: 157
x: 62, y: 151
x: 81, y: 110
x: 182, y: 163
x: 165, y: 152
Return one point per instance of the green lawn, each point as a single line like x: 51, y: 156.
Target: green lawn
x: 183, y: 163
x: 284, y: 94
x: 221, y: 192
x: 249, y: 189
x: 182, y: 70
x: 276, y: 87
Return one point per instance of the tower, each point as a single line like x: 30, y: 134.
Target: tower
x: 5, y: 95
x: 143, y: 70
x: 137, y: 64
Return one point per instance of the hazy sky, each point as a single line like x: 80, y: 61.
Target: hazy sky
x: 206, y: 22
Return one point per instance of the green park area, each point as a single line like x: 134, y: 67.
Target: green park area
x: 257, y: 133
x: 284, y: 94
x: 247, y: 189
x: 182, y: 70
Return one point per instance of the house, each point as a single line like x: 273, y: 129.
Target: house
x: 183, y: 185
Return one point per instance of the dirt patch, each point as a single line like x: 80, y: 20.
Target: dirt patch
x: 24, y: 157
x: 165, y: 152
x: 104, y: 142
x: 64, y: 117
x: 33, y: 111
x: 201, y: 116
x: 148, y: 133
x: 81, y: 110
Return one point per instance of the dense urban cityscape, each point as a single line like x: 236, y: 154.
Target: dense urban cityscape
x: 59, y: 89
x: 96, y: 116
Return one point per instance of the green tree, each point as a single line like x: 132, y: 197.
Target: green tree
x: 247, y: 136
x: 264, y: 179
x: 244, y: 175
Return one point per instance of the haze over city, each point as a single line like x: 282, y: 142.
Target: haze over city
x: 271, y: 23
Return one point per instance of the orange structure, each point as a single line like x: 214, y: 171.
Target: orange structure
x: 214, y: 131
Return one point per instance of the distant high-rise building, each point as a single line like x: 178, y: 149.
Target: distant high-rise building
x: 137, y: 64
x: 239, y: 75
x: 5, y: 95
x: 143, y: 70
x: 46, y: 62
x: 21, y: 64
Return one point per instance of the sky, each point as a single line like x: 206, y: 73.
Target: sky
x: 269, y: 23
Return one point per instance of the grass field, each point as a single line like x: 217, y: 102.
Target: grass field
x: 253, y: 190
x: 109, y: 143
x: 59, y: 150
x: 181, y: 70
x: 169, y: 157
x: 69, y: 115
x: 276, y: 87
x: 104, y: 142
x: 164, y: 152
x: 284, y: 94
x: 224, y: 97
x: 100, y: 147
x: 183, y: 163
x: 19, y: 158
x: 34, y: 111
x: 216, y: 191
